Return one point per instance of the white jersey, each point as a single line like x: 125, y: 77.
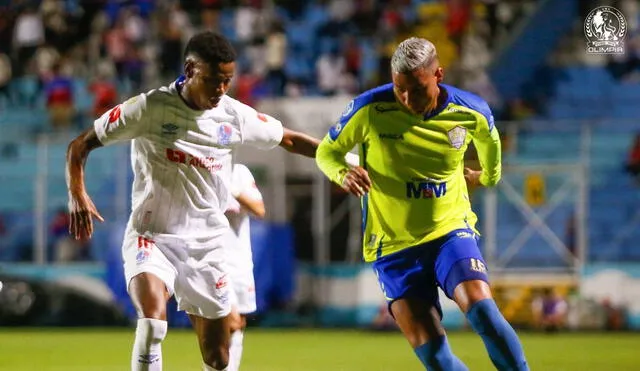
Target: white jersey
x: 181, y: 159
x: 240, y: 256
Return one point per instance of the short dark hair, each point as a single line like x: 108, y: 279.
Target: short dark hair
x: 211, y: 47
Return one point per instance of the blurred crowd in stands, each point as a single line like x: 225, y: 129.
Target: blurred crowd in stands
x: 285, y: 47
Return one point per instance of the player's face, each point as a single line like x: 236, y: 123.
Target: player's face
x: 207, y: 84
x: 418, y: 90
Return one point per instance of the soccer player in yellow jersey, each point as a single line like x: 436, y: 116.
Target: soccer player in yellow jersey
x: 418, y: 224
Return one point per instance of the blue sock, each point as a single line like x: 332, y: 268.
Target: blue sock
x: 498, y: 336
x: 436, y: 355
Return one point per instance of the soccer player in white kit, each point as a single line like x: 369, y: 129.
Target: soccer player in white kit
x: 182, y: 137
x: 243, y: 294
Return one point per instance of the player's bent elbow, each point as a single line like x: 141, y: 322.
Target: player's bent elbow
x: 260, y: 212
x: 76, y: 147
x: 491, y: 181
x: 83, y: 144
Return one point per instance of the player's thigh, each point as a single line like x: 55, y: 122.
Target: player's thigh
x: 242, y: 295
x: 243, y: 290
x: 203, y: 285
x: 149, y: 296
x: 460, y: 269
x: 214, y: 337
x: 149, y: 276
x: 418, y: 319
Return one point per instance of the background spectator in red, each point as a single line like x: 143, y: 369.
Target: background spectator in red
x: 633, y: 161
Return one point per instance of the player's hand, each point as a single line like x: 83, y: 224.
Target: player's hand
x: 81, y: 213
x: 472, y: 177
x: 356, y: 181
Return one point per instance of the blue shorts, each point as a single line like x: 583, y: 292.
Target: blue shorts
x: 418, y: 271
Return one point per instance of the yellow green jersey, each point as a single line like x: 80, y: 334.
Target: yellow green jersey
x: 415, y: 163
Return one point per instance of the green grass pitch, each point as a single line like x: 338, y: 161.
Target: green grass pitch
x: 305, y: 350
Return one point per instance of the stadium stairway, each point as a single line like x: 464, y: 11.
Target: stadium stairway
x: 589, y: 96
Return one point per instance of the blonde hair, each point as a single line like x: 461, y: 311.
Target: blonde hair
x: 413, y: 53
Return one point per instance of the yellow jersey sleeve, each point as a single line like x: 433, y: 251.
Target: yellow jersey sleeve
x: 487, y: 143
x: 348, y: 132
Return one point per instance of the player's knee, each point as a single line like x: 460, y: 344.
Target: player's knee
x: 236, y: 321
x: 217, y: 357
x: 153, y: 330
x: 155, y: 312
x: 467, y: 293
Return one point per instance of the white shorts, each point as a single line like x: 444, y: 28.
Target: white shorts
x: 196, y: 275
x: 243, y: 290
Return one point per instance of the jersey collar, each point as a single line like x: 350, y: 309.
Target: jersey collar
x: 441, y: 107
x: 178, y: 84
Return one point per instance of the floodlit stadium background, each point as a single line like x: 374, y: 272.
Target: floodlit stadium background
x: 566, y: 215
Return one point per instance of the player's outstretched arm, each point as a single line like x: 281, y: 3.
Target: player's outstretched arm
x: 300, y: 143
x: 81, y: 207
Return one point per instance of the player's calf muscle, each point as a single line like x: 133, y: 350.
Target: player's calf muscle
x: 214, y: 339
x: 418, y: 320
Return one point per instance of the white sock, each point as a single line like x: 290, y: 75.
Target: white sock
x: 235, y: 350
x: 147, y: 347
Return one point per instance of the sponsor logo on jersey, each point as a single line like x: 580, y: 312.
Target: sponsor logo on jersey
x: 224, y: 134
x: 457, y: 137
x: 382, y: 109
x: 169, y: 128
x: 177, y: 156
x: 426, y: 189
x: 392, y: 136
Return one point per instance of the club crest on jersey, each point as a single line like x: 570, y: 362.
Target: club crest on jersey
x: 457, y: 137
x: 224, y: 134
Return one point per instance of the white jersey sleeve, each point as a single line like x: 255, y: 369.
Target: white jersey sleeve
x: 243, y: 178
x: 123, y: 122
x: 257, y: 129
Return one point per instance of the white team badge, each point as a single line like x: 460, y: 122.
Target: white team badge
x: 605, y: 27
x: 457, y: 136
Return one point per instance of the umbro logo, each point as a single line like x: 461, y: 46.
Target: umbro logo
x: 148, y: 358
x: 169, y: 128
x: 382, y: 109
